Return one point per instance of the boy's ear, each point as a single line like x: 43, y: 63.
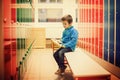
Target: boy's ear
x: 70, y: 23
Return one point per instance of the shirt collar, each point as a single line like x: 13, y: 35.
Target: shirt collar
x: 69, y: 27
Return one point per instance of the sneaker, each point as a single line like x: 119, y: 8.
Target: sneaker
x: 61, y: 71
x: 58, y: 71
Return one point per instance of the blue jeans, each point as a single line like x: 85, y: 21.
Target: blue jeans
x: 59, y: 56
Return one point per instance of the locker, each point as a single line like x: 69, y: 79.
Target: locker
x: 118, y: 33
x: 111, y: 32
x: 9, y: 42
x: 106, y: 30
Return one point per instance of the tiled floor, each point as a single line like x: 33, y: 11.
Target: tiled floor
x: 41, y: 66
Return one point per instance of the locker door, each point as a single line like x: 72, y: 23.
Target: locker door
x: 1, y: 42
x: 100, y: 28
x: 106, y: 30
x: 9, y: 41
x: 111, y: 34
x: 118, y: 33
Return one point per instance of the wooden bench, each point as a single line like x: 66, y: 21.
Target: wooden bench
x: 85, y: 68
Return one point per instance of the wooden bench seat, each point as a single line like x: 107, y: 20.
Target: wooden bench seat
x: 85, y: 68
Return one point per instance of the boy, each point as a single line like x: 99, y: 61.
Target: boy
x: 68, y: 43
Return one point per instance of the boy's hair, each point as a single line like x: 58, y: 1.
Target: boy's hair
x: 67, y: 18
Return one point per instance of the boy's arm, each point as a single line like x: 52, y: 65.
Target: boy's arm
x: 73, y: 41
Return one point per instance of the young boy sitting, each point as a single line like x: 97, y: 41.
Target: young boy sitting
x: 68, y: 43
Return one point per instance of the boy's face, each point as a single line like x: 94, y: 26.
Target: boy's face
x: 66, y: 24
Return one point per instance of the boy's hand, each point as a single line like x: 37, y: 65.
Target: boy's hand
x: 59, y: 41
x: 62, y: 45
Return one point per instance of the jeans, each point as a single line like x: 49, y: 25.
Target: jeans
x: 59, y: 56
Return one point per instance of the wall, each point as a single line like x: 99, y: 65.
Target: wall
x: 53, y: 29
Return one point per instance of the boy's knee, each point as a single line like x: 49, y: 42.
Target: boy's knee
x: 61, y: 54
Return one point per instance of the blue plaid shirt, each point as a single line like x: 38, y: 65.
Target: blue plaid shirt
x: 69, y: 38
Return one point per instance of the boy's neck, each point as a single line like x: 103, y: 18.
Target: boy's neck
x: 68, y: 27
